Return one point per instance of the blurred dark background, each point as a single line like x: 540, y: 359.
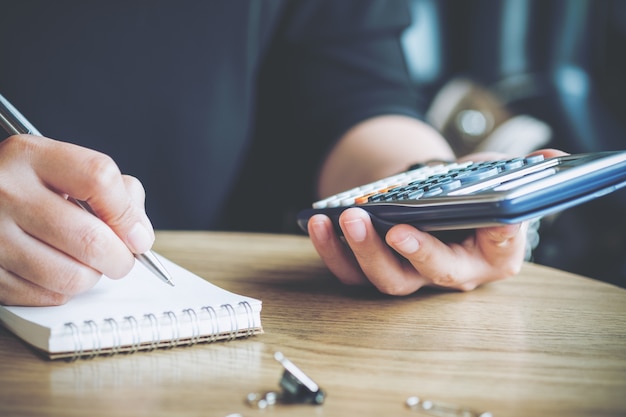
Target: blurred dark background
x: 560, y: 64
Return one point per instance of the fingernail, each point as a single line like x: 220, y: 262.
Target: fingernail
x: 138, y: 239
x: 355, y: 229
x: 407, y: 245
x: 320, y: 231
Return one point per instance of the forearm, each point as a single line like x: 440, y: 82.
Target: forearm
x: 379, y: 147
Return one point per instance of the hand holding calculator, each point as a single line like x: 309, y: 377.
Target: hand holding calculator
x: 471, y: 195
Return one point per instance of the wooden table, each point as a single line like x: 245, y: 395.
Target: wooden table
x: 544, y: 343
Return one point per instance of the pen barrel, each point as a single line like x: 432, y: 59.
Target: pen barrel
x: 12, y: 120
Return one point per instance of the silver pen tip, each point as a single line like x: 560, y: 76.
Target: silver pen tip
x: 152, y: 263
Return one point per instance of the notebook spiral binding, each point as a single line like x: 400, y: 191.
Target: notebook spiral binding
x: 88, y: 340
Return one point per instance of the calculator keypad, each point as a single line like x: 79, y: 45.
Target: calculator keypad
x: 435, y: 181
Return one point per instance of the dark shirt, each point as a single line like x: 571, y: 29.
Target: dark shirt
x: 223, y: 109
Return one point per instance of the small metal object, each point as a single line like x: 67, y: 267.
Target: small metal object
x: 297, y: 388
x: 262, y: 401
x: 439, y: 409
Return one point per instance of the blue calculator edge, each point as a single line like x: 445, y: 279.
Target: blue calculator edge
x: 577, y: 179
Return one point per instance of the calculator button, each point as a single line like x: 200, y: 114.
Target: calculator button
x: 376, y: 198
x: 513, y: 164
x: 526, y: 179
x: 364, y: 198
x: 432, y: 191
x: 428, y: 181
x: 323, y: 203
x: 391, y: 195
x: 533, y: 159
x: 476, y: 174
x: 348, y: 201
x: 414, y: 195
x: 417, y: 183
x: 450, y: 185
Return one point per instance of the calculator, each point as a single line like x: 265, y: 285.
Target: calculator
x: 468, y: 195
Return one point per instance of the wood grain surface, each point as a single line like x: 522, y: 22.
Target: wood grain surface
x: 544, y: 343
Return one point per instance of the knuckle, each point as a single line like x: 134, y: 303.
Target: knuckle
x: 95, y: 249
x: 424, y: 256
x: 135, y: 186
x: 69, y: 284
x: 20, y: 148
x: 53, y: 299
x: 125, y: 217
x: 16, y: 143
x: 104, y: 172
x: 74, y: 281
x: 93, y: 243
x: 445, y: 280
x: 8, y: 193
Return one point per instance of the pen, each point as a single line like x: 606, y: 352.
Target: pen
x: 15, y: 123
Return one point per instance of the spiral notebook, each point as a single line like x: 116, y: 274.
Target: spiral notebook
x: 138, y: 312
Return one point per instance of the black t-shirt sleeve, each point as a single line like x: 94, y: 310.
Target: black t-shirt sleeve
x: 342, y: 62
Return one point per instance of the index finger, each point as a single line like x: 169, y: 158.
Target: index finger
x: 93, y: 177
